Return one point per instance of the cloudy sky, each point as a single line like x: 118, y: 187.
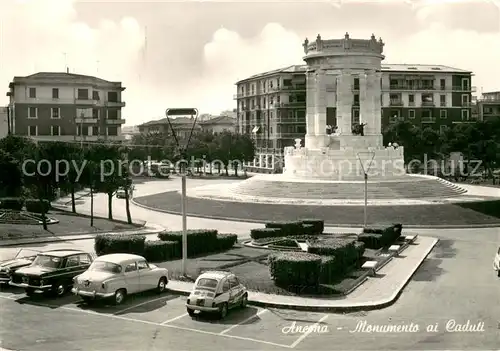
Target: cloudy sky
x: 190, y: 53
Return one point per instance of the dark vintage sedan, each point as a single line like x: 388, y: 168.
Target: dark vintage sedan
x: 23, y: 258
x: 52, y: 271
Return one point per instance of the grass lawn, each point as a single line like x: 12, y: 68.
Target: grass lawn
x: 333, y: 215
x: 68, y: 224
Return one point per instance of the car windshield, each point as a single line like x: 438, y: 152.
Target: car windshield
x: 103, y: 266
x: 47, y: 261
x: 206, y: 283
x: 27, y: 253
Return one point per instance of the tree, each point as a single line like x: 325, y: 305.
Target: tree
x: 10, y: 175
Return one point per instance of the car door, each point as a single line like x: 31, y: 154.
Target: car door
x: 71, y: 268
x: 236, y: 290
x: 147, y: 278
x: 131, y: 275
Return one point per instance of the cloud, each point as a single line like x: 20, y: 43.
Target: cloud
x: 46, y: 35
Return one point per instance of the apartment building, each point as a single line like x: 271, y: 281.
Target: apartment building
x: 271, y: 106
x: 4, y: 122
x: 66, y: 107
x: 488, y: 106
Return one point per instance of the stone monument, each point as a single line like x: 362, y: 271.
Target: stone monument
x: 332, y: 68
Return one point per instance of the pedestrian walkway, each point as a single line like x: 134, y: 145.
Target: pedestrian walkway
x: 376, y: 292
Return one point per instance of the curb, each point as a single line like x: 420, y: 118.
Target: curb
x: 68, y: 212
x: 341, y: 309
x: 247, y: 220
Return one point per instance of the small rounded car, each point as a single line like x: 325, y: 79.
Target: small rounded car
x: 496, y: 262
x: 115, y: 276
x: 216, y: 292
x: 23, y: 258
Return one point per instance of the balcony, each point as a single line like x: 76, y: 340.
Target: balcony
x: 86, y: 101
x: 396, y: 103
x: 288, y: 120
x: 289, y: 135
x: 86, y: 120
x: 115, y: 121
x: 411, y: 103
x: 294, y: 88
x: 471, y: 89
x: 115, y: 103
x: 410, y: 87
x: 428, y: 120
x: 428, y: 103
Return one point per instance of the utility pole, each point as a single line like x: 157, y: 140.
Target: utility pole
x: 365, y: 174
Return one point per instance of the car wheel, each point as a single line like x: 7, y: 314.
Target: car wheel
x: 30, y: 291
x: 223, y: 311
x: 162, y: 285
x: 87, y: 299
x: 58, y: 289
x: 498, y: 273
x: 190, y: 312
x: 119, y: 297
x: 244, y: 301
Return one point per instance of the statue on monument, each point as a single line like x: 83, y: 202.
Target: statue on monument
x: 359, y: 129
x: 306, y: 43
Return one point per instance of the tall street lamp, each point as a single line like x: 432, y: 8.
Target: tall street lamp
x: 192, y: 113
x: 365, y: 155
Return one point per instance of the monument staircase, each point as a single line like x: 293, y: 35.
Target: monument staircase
x: 407, y: 187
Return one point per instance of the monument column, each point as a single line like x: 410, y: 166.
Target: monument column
x: 320, y: 107
x: 310, y: 110
x: 365, y: 102
x: 377, y: 103
x: 344, y: 103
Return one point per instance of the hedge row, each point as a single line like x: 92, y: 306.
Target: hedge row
x: 289, y: 228
x: 17, y: 204
x: 159, y: 250
x: 377, y: 237
x: 201, y: 242
x: 294, y: 268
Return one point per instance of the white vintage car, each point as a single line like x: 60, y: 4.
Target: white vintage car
x: 496, y: 262
x: 216, y: 292
x: 115, y: 276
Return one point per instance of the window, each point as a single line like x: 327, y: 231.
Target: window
x: 55, y: 112
x: 442, y: 84
x: 113, y: 96
x: 113, y: 113
x: 411, y: 114
x: 233, y: 282
x: 442, y: 100
x: 32, y: 112
x: 465, y: 115
x: 95, y: 95
x: 465, y: 83
x: 55, y: 93
x: 55, y: 130
x: 84, y: 113
x: 225, y: 286
x: 131, y: 267
x: 78, y: 130
x: 32, y: 93
x: 465, y: 99
x: 426, y: 114
x: 72, y: 261
x: 113, y: 130
x: 395, y: 113
x: 355, y: 116
x: 95, y: 130
x: 411, y: 98
x: 443, y: 114
x: 32, y: 130
x: 207, y: 283
x: 95, y: 113
x: 356, y: 99
x: 84, y: 259
x: 142, y: 265
x: 83, y: 94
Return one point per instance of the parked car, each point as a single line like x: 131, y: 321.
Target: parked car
x: 52, y: 271
x: 120, y: 193
x: 23, y: 258
x: 118, y: 275
x: 496, y: 262
x: 216, y: 292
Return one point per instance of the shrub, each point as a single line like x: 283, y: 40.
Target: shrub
x: 12, y: 203
x: 318, y: 224
x: 287, y: 243
x: 389, y: 233
x: 261, y: 233
x: 287, y: 227
x: 199, y: 241
x: 371, y: 241
x: 37, y: 206
x: 294, y: 268
x: 330, y: 270
x: 265, y: 241
x: 344, y: 251
x: 160, y: 251
x: 105, y: 244
x: 226, y: 241
x: 308, y: 229
x: 360, y: 249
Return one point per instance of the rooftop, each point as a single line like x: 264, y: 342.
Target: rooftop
x: 119, y: 258
x: 220, y: 119
x: 214, y: 274
x: 178, y: 120
x: 62, y: 252
x: 63, y: 77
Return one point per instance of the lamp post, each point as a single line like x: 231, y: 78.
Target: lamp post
x: 193, y: 114
x: 365, y: 174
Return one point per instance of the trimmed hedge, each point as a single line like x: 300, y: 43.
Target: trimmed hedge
x: 318, y: 225
x: 261, y: 233
x: 330, y: 270
x: 287, y: 227
x: 344, y: 251
x: 12, y: 203
x: 389, y: 233
x: 288, y: 243
x: 490, y: 208
x: 371, y: 241
x: 294, y: 268
x: 159, y: 251
x: 309, y: 229
x: 199, y: 241
x: 226, y: 241
x: 37, y: 206
x: 360, y: 249
x: 105, y: 244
